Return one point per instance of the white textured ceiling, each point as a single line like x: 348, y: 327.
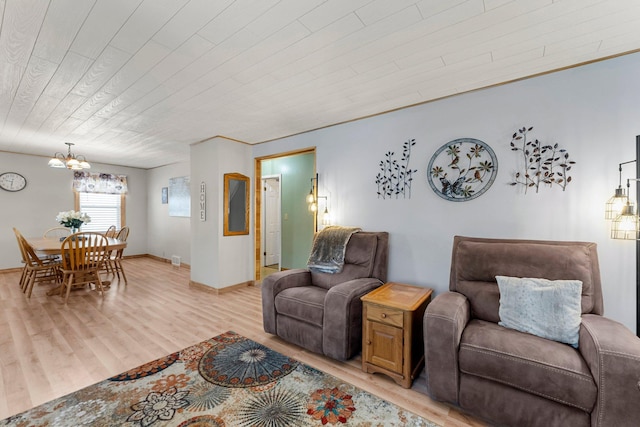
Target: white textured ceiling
x: 134, y: 82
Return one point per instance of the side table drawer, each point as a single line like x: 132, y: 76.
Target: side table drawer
x: 386, y: 315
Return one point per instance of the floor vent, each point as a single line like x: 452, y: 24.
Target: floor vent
x: 175, y: 260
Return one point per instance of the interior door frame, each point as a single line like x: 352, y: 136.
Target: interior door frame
x: 257, y: 215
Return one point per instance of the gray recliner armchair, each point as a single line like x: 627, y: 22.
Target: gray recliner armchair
x: 519, y: 379
x: 322, y: 312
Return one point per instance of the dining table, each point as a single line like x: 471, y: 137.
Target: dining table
x: 46, y: 246
x: 54, y: 246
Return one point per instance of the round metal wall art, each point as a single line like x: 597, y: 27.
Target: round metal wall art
x: 462, y: 169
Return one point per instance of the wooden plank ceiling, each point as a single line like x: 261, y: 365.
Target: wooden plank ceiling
x: 134, y: 82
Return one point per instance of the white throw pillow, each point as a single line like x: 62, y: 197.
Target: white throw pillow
x: 547, y: 308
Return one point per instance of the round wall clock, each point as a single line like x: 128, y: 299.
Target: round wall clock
x: 12, y: 181
x: 462, y: 169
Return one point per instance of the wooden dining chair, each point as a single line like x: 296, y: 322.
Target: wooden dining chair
x: 23, y: 254
x: 83, y: 256
x: 57, y: 233
x: 111, y: 231
x: 36, y: 269
x: 116, y: 259
x: 108, y: 265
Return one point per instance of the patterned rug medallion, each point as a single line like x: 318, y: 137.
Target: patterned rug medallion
x: 227, y: 380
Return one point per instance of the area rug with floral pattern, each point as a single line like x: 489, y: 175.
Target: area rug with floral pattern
x: 228, y: 380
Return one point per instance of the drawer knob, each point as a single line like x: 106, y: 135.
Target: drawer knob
x: 383, y: 315
x: 368, y: 342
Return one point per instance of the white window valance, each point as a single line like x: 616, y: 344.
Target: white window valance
x: 87, y: 182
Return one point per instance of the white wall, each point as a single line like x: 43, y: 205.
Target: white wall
x: 219, y: 261
x: 34, y: 209
x: 167, y: 235
x: 591, y: 111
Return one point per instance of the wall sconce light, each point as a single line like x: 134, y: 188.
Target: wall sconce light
x: 311, y: 197
x: 312, y: 201
x: 313, y: 194
x: 326, y: 216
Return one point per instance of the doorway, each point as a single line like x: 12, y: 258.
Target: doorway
x: 284, y: 225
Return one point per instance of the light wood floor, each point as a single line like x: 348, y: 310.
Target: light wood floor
x: 48, y: 349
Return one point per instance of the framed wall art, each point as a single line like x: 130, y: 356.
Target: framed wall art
x: 462, y: 169
x: 165, y: 195
x: 179, y: 197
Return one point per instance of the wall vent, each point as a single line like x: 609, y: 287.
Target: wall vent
x: 175, y: 260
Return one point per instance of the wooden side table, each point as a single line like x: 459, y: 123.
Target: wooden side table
x: 392, y: 331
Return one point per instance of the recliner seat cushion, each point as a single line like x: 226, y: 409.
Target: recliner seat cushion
x: 305, y: 303
x: 546, y: 368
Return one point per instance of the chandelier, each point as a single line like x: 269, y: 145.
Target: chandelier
x: 70, y: 161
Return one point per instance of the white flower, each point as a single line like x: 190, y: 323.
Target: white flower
x: 72, y: 218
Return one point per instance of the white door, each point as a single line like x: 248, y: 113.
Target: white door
x: 271, y: 199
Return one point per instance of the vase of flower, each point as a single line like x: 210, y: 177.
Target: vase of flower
x: 73, y: 220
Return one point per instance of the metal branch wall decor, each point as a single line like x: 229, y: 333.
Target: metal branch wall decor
x: 395, y: 177
x: 462, y: 169
x: 540, y: 164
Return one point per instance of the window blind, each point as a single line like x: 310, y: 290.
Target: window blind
x: 104, y: 210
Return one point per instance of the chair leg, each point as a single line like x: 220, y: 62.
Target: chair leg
x: 32, y: 280
x: 68, y: 287
x: 23, y: 278
x: 124, y: 276
x: 118, y: 269
x: 99, y: 284
x: 108, y: 264
x: 25, y: 282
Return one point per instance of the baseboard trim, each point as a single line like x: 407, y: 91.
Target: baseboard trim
x: 216, y: 291
x: 166, y: 260
x: 154, y: 257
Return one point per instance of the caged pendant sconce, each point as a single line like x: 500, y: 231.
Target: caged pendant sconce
x: 620, y: 198
x: 620, y: 208
x: 626, y: 224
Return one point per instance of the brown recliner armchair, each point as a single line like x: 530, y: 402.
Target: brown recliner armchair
x: 322, y: 312
x: 518, y: 379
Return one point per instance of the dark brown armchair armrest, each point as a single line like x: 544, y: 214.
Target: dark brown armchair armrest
x: 275, y: 283
x: 612, y: 353
x: 339, y: 329
x: 444, y: 321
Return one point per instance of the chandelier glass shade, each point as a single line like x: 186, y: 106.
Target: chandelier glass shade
x: 70, y: 161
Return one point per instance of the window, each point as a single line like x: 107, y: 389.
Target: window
x: 104, y: 209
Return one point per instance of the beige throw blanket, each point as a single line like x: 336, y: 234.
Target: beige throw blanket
x: 329, y: 247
